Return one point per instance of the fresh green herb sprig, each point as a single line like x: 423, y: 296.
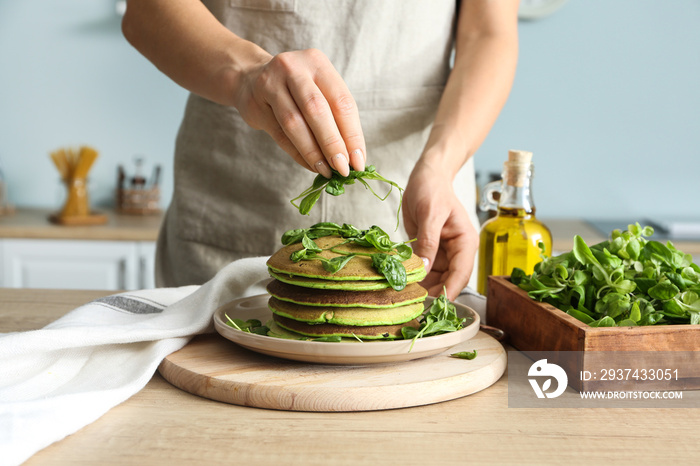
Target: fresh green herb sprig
x: 387, y: 264
x: 625, y: 281
x: 320, y: 230
x: 248, y: 326
x: 335, y: 186
x: 328, y: 339
x: 440, y: 318
x: 271, y: 329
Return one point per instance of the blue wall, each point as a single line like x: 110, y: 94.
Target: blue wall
x: 607, y: 97
x: 67, y: 78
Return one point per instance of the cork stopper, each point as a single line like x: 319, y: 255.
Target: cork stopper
x: 515, y: 170
x: 520, y: 156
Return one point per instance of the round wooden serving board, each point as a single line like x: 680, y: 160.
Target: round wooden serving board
x: 216, y: 368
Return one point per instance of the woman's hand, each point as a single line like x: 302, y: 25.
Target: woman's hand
x: 446, y: 239
x: 300, y: 100
x: 297, y: 97
x: 485, y: 58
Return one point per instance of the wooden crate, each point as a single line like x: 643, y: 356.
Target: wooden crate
x: 533, y: 327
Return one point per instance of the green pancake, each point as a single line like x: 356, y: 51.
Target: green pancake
x: 359, y: 268
x: 356, y: 316
x: 347, y: 285
x: 379, y: 332
x: 382, y: 298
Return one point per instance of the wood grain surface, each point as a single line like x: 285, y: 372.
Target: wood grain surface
x: 533, y: 326
x: 537, y: 326
x: 162, y: 425
x: 215, y: 368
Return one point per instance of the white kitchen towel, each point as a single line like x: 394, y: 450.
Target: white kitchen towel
x: 55, y: 380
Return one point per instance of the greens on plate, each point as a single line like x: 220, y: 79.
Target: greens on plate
x: 387, y: 260
x: 439, y: 318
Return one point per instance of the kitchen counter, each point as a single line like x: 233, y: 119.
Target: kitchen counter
x: 35, y: 253
x: 34, y: 224
x: 164, y: 425
x: 564, y: 230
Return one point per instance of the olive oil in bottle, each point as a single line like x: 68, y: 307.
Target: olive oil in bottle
x: 512, y: 237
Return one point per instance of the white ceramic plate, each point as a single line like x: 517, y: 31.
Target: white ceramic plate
x: 350, y: 352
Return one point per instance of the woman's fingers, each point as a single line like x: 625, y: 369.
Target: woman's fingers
x: 324, y: 134
x: 346, y: 115
x: 270, y: 125
x: 296, y: 128
x: 315, y: 105
x: 304, y: 104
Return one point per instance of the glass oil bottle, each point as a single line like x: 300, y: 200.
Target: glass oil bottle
x: 512, y: 237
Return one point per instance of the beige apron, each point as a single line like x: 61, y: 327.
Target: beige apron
x: 233, y: 185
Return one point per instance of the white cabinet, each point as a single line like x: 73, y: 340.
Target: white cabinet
x: 76, y: 264
x: 146, y: 253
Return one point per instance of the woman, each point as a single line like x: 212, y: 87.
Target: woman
x: 333, y: 84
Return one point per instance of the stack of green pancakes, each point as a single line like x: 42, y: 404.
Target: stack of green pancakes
x: 356, y: 301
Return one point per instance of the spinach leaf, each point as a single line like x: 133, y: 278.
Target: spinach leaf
x: 293, y: 236
x: 349, y: 231
x: 379, y: 239
x: 337, y: 263
x: 387, y: 260
x: 309, y: 251
x: 391, y: 267
x: 440, y: 318
x: 464, y: 355
x: 331, y: 339
x: 308, y: 202
x: 248, y: 326
x: 310, y: 245
x: 404, y: 251
x: 335, y: 186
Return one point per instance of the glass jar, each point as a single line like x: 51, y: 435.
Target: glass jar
x: 512, y: 238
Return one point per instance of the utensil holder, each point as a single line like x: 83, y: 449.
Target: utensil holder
x: 141, y: 201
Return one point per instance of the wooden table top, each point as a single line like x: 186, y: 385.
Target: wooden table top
x: 35, y: 224
x: 164, y: 425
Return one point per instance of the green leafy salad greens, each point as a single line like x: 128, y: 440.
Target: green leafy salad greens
x: 335, y: 186
x: 441, y: 317
x: 625, y: 281
x: 257, y: 327
x: 388, y: 260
